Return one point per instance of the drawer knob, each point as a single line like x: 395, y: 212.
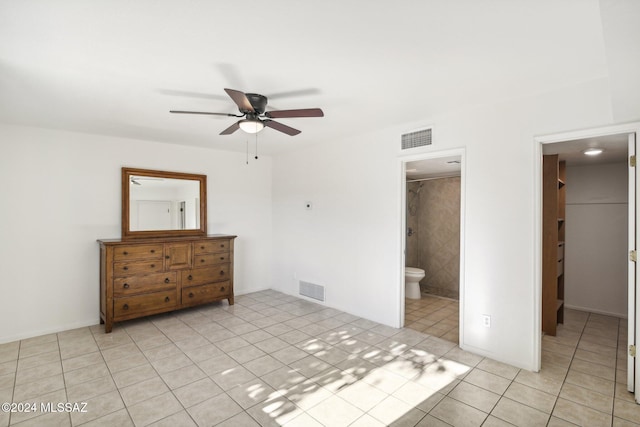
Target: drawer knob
x: 125, y: 253
x: 126, y: 286
x: 125, y: 268
x: 167, y: 257
x: 190, y: 294
x: 125, y: 307
x: 190, y: 277
x: 167, y: 299
x: 222, y: 272
x: 201, y: 247
x: 221, y: 258
x: 222, y: 245
x: 202, y: 260
x: 221, y: 288
x: 166, y: 280
x: 153, y: 251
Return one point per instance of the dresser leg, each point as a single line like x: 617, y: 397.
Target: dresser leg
x: 230, y: 299
x: 107, y: 327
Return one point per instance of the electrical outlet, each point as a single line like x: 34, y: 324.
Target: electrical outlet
x: 486, y: 320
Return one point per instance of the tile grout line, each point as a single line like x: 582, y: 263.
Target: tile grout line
x: 617, y: 329
x: 64, y: 380
x: 555, y: 403
x: 615, y: 375
x: 15, y: 379
x: 100, y: 350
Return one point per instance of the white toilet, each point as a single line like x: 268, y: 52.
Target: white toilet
x: 412, y: 277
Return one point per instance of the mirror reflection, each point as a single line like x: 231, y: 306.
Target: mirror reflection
x: 158, y: 203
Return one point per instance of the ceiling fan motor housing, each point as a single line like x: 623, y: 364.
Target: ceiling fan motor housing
x: 258, y: 102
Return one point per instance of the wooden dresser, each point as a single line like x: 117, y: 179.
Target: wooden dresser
x: 148, y: 276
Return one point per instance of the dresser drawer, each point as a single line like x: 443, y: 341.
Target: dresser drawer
x: 138, y: 267
x: 148, y: 283
x: 205, y: 293
x: 205, y: 260
x: 212, y: 246
x: 156, y: 301
x: 135, y: 252
x: 200, y: 276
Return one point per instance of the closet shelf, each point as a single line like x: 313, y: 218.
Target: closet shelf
x: 553, y: 218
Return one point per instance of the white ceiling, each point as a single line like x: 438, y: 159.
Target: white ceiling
x: 440, y: 167
x: 615, y: 150
x: 117, y: 67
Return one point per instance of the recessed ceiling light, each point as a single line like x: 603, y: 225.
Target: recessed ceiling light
x: 412, y: 170
x: 593, y: 151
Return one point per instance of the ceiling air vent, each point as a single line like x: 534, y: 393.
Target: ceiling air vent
x: 415, y: 139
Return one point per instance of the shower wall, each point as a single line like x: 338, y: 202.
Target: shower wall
x: 433, y: 214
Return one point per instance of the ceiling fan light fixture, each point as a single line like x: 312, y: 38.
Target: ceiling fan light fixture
x: 251, y: 125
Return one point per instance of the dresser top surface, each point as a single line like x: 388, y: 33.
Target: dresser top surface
x: 165, y: 239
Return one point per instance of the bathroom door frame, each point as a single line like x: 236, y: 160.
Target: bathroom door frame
x: 632, y: 130
x: 412, y: 157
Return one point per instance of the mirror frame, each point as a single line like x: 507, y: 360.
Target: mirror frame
x: 127, y: 233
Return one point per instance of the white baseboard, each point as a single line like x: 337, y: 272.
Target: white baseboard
x: 46, y: 331
x: 596, y: 311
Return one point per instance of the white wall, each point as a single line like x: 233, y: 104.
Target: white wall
x: 351, y: 240
x: 61, y: 191
x: 596, y: 238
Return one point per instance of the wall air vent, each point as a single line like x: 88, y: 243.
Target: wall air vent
x: 312, y: 290
x: 415, y: 139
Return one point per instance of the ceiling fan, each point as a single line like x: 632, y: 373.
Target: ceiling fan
x: 252, y: 107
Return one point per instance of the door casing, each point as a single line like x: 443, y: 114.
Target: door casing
x: 539, y: 142
x: 403, y: 226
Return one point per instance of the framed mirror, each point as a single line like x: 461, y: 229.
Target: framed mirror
x: 163, y: 204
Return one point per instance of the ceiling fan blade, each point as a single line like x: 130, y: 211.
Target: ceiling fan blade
x: 241, y: 100
x: 304, y: 112
x: 203, y: 112
x: 231, y: 129
x: 231, y: 73
x: 295, y: 92
x: 190, y: 94
x: 280, y: 127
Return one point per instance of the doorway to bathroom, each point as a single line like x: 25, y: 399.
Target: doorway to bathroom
x: 432, y: 240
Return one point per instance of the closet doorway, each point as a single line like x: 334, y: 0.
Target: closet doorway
x: 432, y: 239
x: 587, y: 281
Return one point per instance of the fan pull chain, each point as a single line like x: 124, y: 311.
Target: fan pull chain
x: 247, y: 141
x: 256, y: 146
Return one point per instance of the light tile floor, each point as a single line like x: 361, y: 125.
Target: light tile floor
x: 273, y: 359
x: 433, y: 315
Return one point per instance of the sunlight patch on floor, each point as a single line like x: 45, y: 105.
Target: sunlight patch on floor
x: 370, y: 378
